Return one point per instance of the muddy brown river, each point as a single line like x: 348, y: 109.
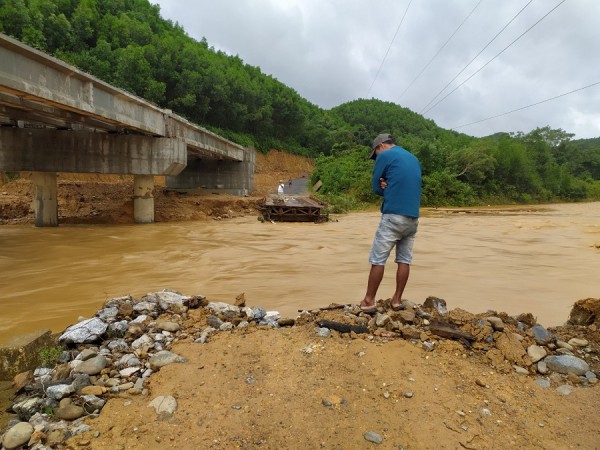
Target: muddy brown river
x: 539, y: 260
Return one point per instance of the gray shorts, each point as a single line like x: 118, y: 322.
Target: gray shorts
x: 394, y: 231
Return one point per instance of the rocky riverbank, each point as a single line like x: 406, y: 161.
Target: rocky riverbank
x: 175, y: 371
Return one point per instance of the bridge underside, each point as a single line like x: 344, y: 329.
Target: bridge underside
x: 56, y: 118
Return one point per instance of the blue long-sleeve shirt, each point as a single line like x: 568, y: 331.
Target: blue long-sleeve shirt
x: 402, y: 172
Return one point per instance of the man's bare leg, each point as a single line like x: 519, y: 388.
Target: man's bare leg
x: 375, y: 277
x: 401, y: 279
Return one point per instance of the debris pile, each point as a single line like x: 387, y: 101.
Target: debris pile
x: 115, y: 352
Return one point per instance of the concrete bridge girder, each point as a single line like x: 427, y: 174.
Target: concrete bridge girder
x: 44, y: 150
x: 75, y: 123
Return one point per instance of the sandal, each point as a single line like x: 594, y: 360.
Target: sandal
x: 369, y: 309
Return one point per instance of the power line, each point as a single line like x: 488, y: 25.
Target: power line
x: 388, y: 50
x: 474, y: 58
x: 525, y: 107
x: 502, y: 51
x: 441, y: 48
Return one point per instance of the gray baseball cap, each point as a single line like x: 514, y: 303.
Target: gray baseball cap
x: 380, y: 139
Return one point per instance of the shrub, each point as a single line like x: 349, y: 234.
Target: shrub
x: 50, y: 355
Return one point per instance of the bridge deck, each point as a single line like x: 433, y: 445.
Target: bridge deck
x: 43, y: 91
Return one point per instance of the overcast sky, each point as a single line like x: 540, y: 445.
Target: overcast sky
x: 335, y: 51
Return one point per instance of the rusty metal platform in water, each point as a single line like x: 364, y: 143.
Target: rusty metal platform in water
x: 286, y: 208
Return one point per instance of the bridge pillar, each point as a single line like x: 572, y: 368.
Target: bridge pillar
x: 143, y: 199
x: 229, y: 177
x: 45, y: 199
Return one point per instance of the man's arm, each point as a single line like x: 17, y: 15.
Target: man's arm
x: 378, y: 176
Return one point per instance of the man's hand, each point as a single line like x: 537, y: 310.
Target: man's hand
x: 382, y: 183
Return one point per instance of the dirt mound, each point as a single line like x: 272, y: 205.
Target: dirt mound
x: 97, y: 198
x: 297, y: 387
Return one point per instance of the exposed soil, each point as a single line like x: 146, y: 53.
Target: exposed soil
x: 92, y: 198
x: 289, y: 388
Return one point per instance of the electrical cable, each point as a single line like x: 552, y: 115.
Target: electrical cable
x: 388, y: 50
x: 502, y: 51
x: 475, y: 57
x: 525, y: 107
x: 441, y: 48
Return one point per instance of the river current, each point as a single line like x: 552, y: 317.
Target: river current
x: 539, y: 260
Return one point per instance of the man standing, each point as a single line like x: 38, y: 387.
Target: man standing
x: 396, y: 177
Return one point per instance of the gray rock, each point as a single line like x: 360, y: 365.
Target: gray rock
x: 226, y: 326
x: 544, y: 384
x: 521, y: 370
x: 43, y: 374
x: 86, y: 354
x: 542, y: 367
x: 575, y: 342
x: 116, y: 301
x: 168, y: 326
x: 564, y: 351
x: 434, y: 303
x: 496, y: 322
x: 159, y: 337
x: 137, y: 387
x: 165, y: 406
x: 17, y: 436
x: 140, y: 319
x: 271, y: 317
x: 108, y: 314
x: 407, y: 304
x: 567, y: 364
x: 86, y: 331
x: 564, y: 389
x: 144, y: 341
x: 118, y: 329
x: 536, y: 353
x: 371, y: 436
x: 129, y: 371
x: 259, y: 313
x: 59, y: 391
x: 145, y: 307
x: 541, y: 335
x: 429, y: 346
x: 381, y: 320
x: 117, y: 345
x: 322, y: 332
x: 133, y: 362
x: 222, y: 308
x: 214, y: 321
x: 25, y: 409
x: 590, y: 375
x: 79, y: 429
x: 164, y: 358
x: 92, y: 366
x: 81, y: 380
x: 92, y: 403
x: 563, y: 344
x: 171, y: 301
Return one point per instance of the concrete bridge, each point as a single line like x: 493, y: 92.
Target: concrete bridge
x: 56, y: 118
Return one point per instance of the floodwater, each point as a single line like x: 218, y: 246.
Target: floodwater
x: 538, y: 260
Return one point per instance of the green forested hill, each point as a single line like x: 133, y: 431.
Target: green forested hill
x: 128, y: 44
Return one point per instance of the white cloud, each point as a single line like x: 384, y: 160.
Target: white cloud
x: 330, y: 53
